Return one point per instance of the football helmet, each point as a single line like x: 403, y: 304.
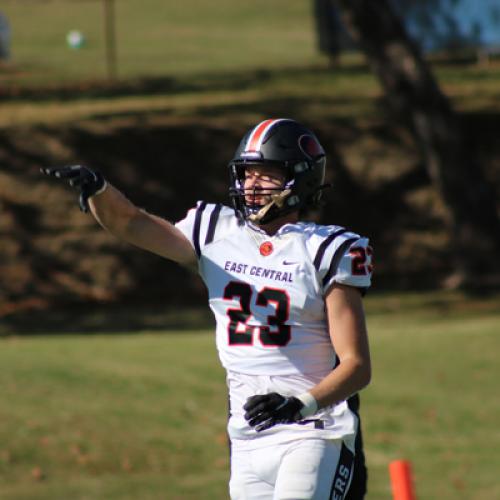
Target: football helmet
x: 288, y: 145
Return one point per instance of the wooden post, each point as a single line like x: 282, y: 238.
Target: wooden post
x: 110, y: 38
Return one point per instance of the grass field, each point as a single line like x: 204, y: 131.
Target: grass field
x: 190, y: 40
x: 196, y: 58
x: 143, y: 415
x: 154, y: 37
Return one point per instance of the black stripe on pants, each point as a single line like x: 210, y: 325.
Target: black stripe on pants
x: 357, y: 490
x: 342, y: 474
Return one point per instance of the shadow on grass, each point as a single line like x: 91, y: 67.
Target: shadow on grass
x: 113, y: 319
x: 224, y: 81
x: 135, y: 318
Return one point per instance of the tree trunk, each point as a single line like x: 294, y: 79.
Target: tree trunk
x: 414, y: 95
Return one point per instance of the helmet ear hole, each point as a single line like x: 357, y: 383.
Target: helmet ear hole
x: 301, y: 167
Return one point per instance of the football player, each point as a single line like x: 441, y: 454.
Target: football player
x: 287, y: 298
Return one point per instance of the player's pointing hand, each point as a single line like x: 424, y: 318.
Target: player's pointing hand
x: 86, y: 181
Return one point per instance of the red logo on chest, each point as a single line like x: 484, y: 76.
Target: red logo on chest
x: 266, y: 248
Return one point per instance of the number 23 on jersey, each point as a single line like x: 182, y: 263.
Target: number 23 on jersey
x: 275, y: 333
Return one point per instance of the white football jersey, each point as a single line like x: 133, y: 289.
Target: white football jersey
x: 267, y: 295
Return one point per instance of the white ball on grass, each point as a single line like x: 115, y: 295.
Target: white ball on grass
x: 75, y: 39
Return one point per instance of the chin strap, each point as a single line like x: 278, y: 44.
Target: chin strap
x: 276, y: 199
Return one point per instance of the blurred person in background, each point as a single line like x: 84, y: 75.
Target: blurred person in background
x: 287, y: 299
x: 328, y: 29
x: 5, y: 34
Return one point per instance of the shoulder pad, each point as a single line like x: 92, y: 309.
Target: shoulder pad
x: 340, y: 256
x: 203, y: 222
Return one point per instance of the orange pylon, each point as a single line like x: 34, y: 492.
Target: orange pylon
x: 401, y: 480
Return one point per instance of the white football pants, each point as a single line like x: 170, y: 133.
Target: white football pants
x: 307, y: 469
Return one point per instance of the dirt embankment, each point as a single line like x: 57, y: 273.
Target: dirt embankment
x: 51, y: 255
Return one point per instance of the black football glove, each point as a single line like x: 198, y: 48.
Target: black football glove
x: 87, y: 182
x: 267, y: 410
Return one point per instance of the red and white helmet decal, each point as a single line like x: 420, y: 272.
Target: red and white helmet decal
x: 256, y: 137
x: 310, y: 146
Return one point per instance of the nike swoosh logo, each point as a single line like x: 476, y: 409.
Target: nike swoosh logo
x: 289, y: 263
